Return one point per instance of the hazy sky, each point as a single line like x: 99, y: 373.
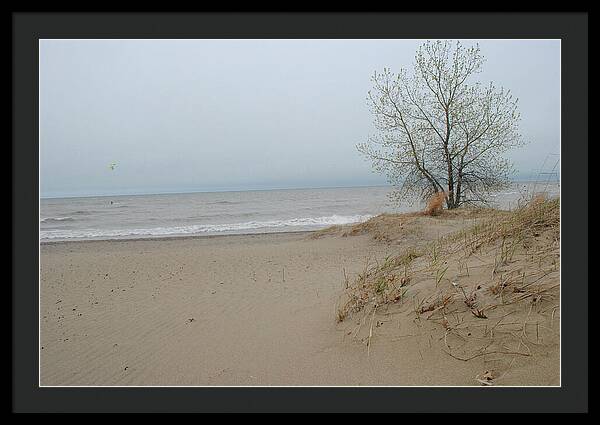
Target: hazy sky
x: 204, y: 115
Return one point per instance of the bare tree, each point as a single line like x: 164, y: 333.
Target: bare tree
x: 439, y: 131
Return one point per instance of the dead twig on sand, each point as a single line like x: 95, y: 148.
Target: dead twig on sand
x: 371, y: 331
x: 466, y: 359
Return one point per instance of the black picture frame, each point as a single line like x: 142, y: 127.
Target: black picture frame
x: 571, y: 28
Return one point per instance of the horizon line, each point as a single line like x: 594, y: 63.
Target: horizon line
x: 182, y: 192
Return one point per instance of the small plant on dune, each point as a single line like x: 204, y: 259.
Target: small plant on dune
x: 478, y: 313
x: 433, y: 254
x: 438, y: 303
x: 409, y: 255
x: 341, y: 315
x: 439, y: 275
x: 381, y: 285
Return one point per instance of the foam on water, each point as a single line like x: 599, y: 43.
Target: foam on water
x: 50, y: 219
x: 307, y: 223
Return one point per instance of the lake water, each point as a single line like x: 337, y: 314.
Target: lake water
x: 268, y: 211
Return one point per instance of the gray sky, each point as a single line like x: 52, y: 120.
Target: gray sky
x: 204, y: 115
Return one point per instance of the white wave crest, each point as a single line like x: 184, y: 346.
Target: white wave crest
x: 276, y: 225
x: 49, y: 219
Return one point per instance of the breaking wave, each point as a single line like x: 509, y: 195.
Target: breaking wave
x: 198, y: 229
x: 52, y: 219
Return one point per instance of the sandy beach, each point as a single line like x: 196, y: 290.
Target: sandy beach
x: 249, y: 310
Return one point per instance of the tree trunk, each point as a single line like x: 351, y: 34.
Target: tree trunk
x: 451, y: 203
x: 459, y: 188
x: 451, y: 199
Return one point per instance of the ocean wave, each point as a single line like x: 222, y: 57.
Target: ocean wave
x: 214, y: 215
x: 51, y: 219
x: 278, y: 225
x: 224, y: 203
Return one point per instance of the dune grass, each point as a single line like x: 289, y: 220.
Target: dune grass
x: 491, y: 290
x: 506, y: 234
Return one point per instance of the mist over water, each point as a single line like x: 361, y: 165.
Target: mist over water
x: 268, y: 211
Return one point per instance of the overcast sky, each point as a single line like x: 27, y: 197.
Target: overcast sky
x: 206, y: 115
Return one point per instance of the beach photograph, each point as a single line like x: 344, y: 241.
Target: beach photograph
x: 299, y: 212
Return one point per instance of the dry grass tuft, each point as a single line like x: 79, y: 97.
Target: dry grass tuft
x: 436, y: 203
x: 525, y: 222
x: 379, y: 283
